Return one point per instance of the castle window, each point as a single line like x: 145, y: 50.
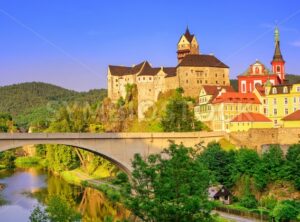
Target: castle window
x: 206, y: 81
x: 198, y: 81
x: 116, y: 85
x: 223, y: 82
x: 150, y: 78
x: 149, y: 90
x: 216, y: 82
x: 139, y: 79
x: 201, y: 81
x: 216, y: 75
x: 223, y: 75
x: 186, y: 74
x: 116, y: 80
x: 274, y: 91
x: 187, y: 81
x: 144, y: 78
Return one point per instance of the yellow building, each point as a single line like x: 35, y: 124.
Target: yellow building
x: 292, y: 120
x: 246, y: 121
x: 278, y: 101
x: 218, y: 106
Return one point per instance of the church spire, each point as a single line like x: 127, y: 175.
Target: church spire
x: 277, y: 54
x: 278, y: 61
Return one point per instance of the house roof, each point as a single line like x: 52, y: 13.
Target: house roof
x: 142, y: 69
x: 170, y: 71
x: 279, y: 89
x: 215, y: 90
x: 295, y: 116
x: 236, y: 97
x: 196, y: 60
x: 218, y: 191
x: 251, y: 117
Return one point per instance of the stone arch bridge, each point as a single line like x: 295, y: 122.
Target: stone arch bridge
x: 117, y: 147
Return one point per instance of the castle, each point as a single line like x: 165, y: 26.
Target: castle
x: 192, y: 71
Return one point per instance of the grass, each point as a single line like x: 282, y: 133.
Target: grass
x: 226, y: 145
x: 27, y: 161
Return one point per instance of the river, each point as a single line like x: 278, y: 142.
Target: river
x: 26, y: 188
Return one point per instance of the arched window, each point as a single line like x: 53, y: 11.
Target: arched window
x: 274, y: 90
x: 285, y: 90
x: 256, y: 70
x: 278, y: 68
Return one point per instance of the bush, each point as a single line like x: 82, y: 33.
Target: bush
x: 249, y: 201
x: 285, y: 211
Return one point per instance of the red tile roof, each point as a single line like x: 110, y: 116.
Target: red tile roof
x: 236, y: 97
x: 295, y: 116
x: 250, y: 117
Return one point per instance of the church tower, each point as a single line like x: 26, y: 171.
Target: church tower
x: 187, y: 45
x: 278, y: 61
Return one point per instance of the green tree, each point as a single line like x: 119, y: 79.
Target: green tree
x: 285, y: 211
x: 171, y: 186
x: 178, y: 116
x: 273, y: 161
x: 219, y: 162
x: 248, y: 199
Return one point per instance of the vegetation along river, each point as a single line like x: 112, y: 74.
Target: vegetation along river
x: 26, y: 188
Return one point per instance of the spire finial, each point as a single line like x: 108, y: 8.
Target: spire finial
x: 276, y: 34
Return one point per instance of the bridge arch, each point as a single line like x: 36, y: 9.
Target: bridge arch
x: 121, y: 165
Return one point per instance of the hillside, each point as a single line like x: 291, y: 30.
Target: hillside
x: 35, y: 101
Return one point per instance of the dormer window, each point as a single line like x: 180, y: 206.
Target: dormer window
x: 274, y: 91
x: 285, y: 90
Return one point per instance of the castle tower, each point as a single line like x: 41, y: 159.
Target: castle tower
x: 187, y: 45
x: 278, y: 61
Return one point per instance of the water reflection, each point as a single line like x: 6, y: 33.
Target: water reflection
x: 25, y: 188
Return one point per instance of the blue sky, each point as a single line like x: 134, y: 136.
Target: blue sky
x: 71, y: 42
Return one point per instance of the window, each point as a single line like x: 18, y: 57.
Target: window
x: 139, y: 78
x: 187, y: 81
x: 186, y: 74
x: 223, y: 82
x: 206, y: 81
x: 216, y: 82
x: 274, y: 101
x: 285, y: 101
x: 216, y: 75
x: 275, y: 112
x: 150, y: 78
x: 286, y: 111
x: 198, y: 81
x: 144, y: 78
x: 223, y: 75
x: 278, y: 68
x: 274, y: 91
x: 298, y: 89
x: 285, y: 90
x: 275, y: 121
x: 295, y: 99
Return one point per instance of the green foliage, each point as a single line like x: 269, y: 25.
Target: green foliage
x: 57, y: 210
x: 286, y: 210
x: 27, y: 161
x: 171, y: 186
x: 218, y: 162
x: 121, y: 102
x: 38, y: 215
x: 248, y: 199
x: 7, y: 159
x: 268, y: 202
x: 6, y: 123
x: 178, y: 117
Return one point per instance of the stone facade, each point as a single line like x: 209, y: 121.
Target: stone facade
x: 192, y: 71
